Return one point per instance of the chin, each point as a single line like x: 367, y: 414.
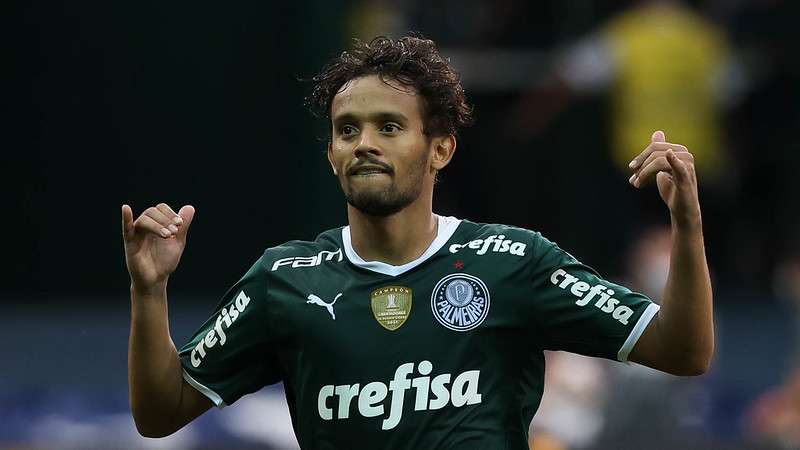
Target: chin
x: 378, y: 204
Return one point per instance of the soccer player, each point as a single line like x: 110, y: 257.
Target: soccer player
x: 407, y: 329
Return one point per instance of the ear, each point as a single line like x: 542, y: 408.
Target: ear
x: 443, y: 149
x: 330, y: 157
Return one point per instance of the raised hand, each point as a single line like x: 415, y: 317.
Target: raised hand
x: 154, y: 243
x: 672, y: 167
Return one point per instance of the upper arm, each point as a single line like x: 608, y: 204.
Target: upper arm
x: 655, y: 349
x: 647, y: 350
x: 193, y: 403
x: 160, y: 420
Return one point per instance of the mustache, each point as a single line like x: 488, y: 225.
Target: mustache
x: 370, y: 161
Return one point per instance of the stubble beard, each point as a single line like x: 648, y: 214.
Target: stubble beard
x: 391, y: 199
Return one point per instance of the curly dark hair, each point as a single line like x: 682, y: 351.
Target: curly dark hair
x: 411, y: 61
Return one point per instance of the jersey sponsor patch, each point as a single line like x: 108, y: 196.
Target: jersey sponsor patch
x: 586, y: 293
x: 225, y: 320
x: 391, y: 306
x: 307, y: 261
x: 460, y: 301
x: 430, y: 393
x: 493, y: 243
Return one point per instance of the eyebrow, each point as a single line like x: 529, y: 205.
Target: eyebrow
x: 380, y: 116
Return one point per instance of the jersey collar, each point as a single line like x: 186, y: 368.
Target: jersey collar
x: 447, y: 226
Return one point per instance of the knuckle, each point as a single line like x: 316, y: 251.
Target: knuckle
x: 141, y: 224
x: 656, y: 160
x: 156, y: 216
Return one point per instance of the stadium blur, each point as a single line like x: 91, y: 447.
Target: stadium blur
x: 202, y: 104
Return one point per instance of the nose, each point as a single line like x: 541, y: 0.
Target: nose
x: 367, y: 145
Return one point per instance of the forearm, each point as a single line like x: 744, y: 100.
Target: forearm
x: 685, y: 321
x: 154, y: 371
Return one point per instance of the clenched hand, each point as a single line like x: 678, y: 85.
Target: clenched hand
x: 154, y: 243
x: 672, y: 166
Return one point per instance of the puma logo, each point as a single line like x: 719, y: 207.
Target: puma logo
x: 318, y: 301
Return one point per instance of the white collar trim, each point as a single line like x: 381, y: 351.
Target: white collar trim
x: 447, y: 226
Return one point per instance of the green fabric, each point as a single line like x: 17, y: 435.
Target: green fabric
x: 436, y: 381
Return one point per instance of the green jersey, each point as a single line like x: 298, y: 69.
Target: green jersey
x: 444, y: 352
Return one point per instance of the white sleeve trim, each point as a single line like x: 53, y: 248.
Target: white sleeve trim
x: 637, y: 331
x: 213, y: 396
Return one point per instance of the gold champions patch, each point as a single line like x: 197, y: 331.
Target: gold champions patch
x: 391, y: 306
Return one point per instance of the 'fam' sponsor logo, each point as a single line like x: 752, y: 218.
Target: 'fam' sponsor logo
x: 307, y: 261
x: 586, y: 293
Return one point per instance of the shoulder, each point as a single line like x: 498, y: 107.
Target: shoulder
x: 529, y: 245
x: 298, y: 253
x: 494, y: 237
x: 270, y: 266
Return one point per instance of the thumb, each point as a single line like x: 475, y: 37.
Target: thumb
x: 679, y: 170
x: 127, y: 222
x: 187, y: 214
x: 658, y: 136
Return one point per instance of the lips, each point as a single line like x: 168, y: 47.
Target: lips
x: 367, y: 169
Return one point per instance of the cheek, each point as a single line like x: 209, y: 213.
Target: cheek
x: 414, y: 169
x: 339, y: 155
x: 424, y: 157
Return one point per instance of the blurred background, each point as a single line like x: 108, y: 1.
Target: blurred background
x: 142, y: 102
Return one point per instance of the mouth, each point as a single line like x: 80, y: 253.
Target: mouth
x: 367, y: 170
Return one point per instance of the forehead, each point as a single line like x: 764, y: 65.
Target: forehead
x: 370, y: 94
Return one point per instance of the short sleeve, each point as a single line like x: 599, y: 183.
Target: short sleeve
x: 580, y: 312
x: 231, y: 354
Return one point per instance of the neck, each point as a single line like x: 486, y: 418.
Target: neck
x: 396, y: 239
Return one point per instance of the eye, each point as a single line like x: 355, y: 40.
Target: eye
x: 347, y: 130
x: 390, y: 128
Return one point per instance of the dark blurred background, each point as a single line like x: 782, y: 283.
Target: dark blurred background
x: 187, y: 103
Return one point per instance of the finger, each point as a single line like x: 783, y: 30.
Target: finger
x: 648, y: 171
x: 650, y: 158
x: 677, y: 148
x: 680, y: 170
x: 169, y: 213
x: 653, y: 147
x: 638, y: 159
x: 657, y: 162
x: 658, y: 136
x: 187, y: 215
x: 665, y: 176
x: 680, y: 151
x: 127, y: 222
x: 162, y: 219
x: 148, y: 224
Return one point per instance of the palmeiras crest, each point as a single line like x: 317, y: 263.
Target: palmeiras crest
x: 460, y: 301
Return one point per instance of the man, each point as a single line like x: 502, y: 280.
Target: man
x: 406, y: 329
